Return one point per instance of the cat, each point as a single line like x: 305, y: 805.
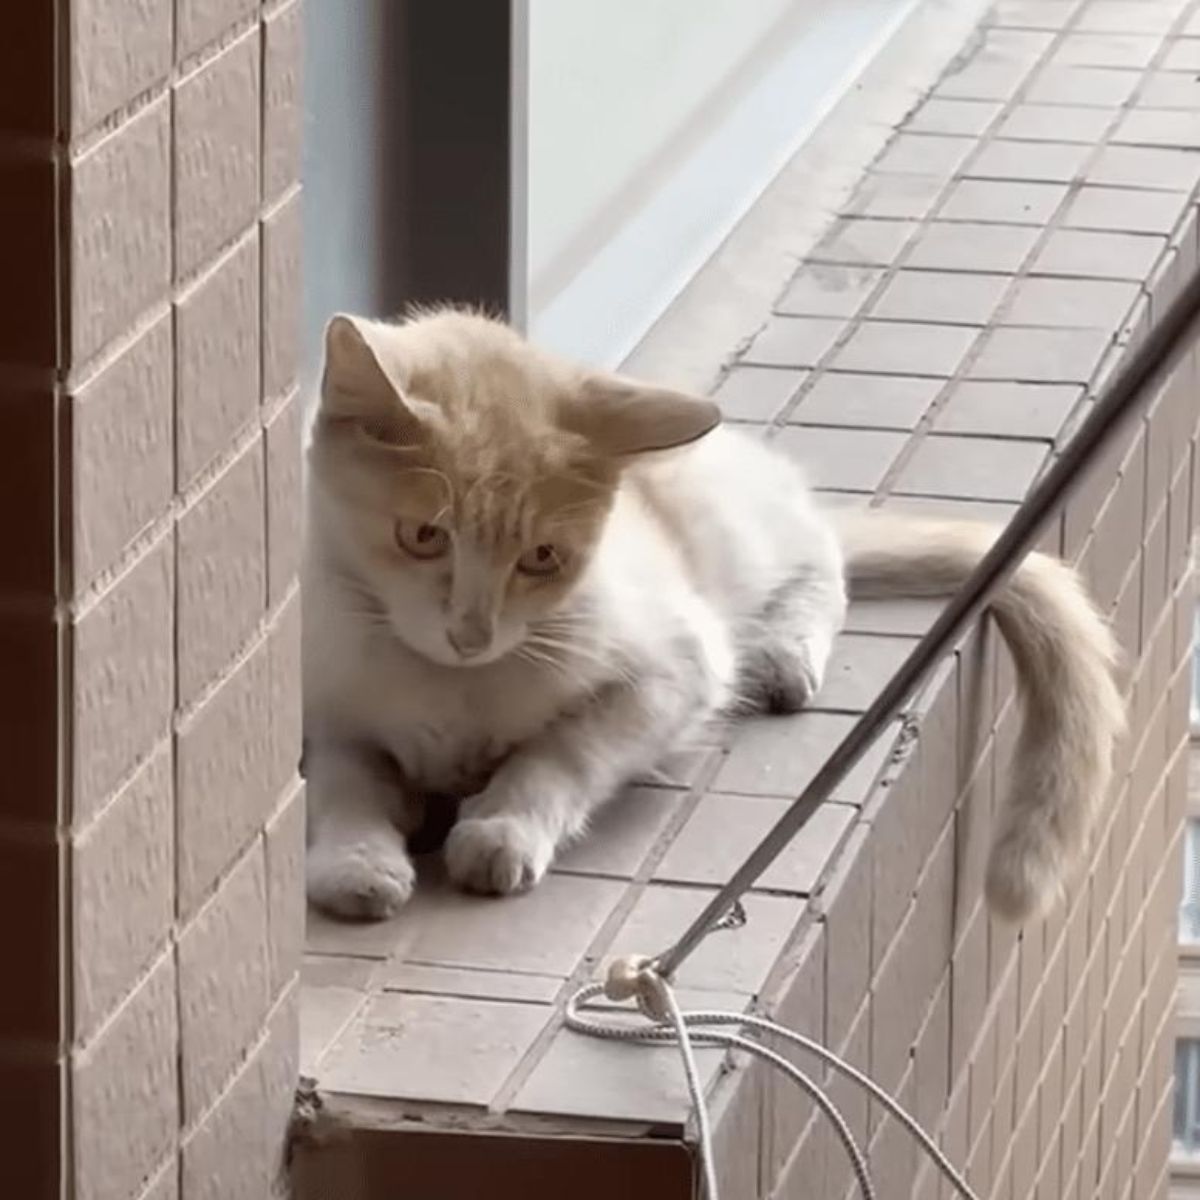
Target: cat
x: 524, y: 581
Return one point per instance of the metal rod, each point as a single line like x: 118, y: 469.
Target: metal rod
x: 1119, y: 401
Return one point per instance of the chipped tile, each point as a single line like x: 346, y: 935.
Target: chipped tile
x: 757, y: 393
x: 793, y: 342
x: 829, y: 290
x: 438, y: 1049
x: 895, y: 196
x: 863, y: 240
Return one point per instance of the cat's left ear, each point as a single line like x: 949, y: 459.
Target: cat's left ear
x: 622, y: 418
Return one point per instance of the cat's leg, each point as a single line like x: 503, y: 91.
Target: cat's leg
x: 786, y: 651
x: 357, y: 864
x: 543, y: 795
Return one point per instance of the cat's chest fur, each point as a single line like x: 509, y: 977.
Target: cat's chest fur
x: 447, y: 729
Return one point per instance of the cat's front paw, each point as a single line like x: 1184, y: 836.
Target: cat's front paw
x: 497, y: 855
x: 362, y: 881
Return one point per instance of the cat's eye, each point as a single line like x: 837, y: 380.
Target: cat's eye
x: 540, y: 560
x: 422, y: 540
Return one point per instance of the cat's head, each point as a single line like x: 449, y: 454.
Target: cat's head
x: 467, y: 477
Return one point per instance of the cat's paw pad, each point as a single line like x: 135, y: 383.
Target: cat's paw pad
x: 365, y: 881
x: 496, y: 855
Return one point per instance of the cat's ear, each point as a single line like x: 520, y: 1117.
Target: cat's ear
x: 356, y: 388
x: 622, y: 418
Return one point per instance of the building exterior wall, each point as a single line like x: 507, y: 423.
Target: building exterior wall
x: 151, y: 830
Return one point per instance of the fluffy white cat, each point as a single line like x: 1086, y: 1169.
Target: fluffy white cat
x: 525, y: 582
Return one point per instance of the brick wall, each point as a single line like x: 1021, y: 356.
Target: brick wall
x: 150, y: 816
x: 1041, y: 1057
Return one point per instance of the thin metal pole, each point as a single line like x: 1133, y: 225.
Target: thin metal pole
x: 1119, y: 402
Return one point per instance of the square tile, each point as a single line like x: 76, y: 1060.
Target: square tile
x: 905, y: 348
x: 968, y: 246
x: 623, y: 833
x: 1170, y: 89
x: 1159, y: 127
x: 1029, y: 410
x: 952, y: 298
x: 1146, y: 167
x: 723, y: 830
x: 828, y: 290
x: 546, y: 930
x: 969, y: 117
x: 869, y: 401
x: 778, y: 756
x: 1088, y: 255
x: 793, y: 342
x: 1183, y: 54
x: 757, y: 393
x: 1056, y: 123
x: 972, y: 468
x: 1128, y: 16
x: 1132, y: 50
x: 866, y: 240
x: 1071, y: 303
x: 283, y: 115
x: 1044, y: 161
x: 642, y: 1083
x: 1041, y: 355
x: 1001, y: 202
x: 1034, y: 14
x: 899, y: 196
x: 858, y: 669
x: 324, y: 1013
x: 924, y: 154
x: 1125, y: 211
x: 729, y: 960
x: 1088, y: 86
x: 436, y: 1049
x: 853, y: 460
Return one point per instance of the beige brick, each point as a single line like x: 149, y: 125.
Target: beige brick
x: 222, y: 572
x: 124, y: 681
x: 217, y: 359
x: 972, y: 838
x: 124, y: 863
x: 216, y: 152
x: 121, y: 456
x: 286, y: 698
x: 120, y: 229
x: 283, y: 35
x: 968, y: 989
x: 285, y: 502
x: 931, y: 1059
x: 285, y: 889
x: 119, y: 48
x: 223, y: 776
x: 201, y: 21
x: 237, y: 1153
x: 223, y: 983
x: 846, y: 903
x: 125, y: 1093
x: 281, y: 297
x: 30, y: 885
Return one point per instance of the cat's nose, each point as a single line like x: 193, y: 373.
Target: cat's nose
x: 470, y: 637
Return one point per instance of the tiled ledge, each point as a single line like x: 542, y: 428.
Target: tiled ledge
x: 1019, y: 231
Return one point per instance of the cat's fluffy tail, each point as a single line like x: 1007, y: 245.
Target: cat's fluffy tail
x: 1065, y: 656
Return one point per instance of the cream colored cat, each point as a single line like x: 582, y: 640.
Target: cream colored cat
x: 525, y: 582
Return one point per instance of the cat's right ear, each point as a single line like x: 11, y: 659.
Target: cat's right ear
x: 356, y: 389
